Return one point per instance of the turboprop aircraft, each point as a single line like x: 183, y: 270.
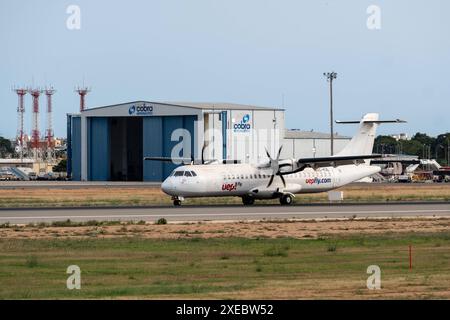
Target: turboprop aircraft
x: 276, y: 178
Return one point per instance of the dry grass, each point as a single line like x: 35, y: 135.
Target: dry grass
x: 112, y: 196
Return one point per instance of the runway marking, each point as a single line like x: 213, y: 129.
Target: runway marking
x: 181, y: 215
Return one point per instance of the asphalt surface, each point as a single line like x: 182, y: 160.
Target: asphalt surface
x: 75, y: 184
x: 224, y: 213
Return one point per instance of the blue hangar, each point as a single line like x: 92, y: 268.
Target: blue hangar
x: 108, y: 143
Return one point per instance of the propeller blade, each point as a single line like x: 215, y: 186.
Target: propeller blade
x: 268, y: 154
x: 270, y: 181
x: 279, y: 152
x: 284, y: 182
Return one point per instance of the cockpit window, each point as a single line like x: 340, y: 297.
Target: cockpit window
x: 193, y: 174
x: 187, y: 174
x: 178, y: 173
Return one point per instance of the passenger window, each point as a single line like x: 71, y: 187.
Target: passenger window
x: 179, y: 173
x: 187, y: 174
x: 193, y: 174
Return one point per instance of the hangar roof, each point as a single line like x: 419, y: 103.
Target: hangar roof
x: 197, y: 105
x: 299, y: 134
x: 221, y: 105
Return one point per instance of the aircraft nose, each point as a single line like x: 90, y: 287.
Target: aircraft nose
x: 167, y: 186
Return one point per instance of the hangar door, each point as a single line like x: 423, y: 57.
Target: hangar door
x: 160, y: 136
x: 75, y: 159
x: 125, y: 154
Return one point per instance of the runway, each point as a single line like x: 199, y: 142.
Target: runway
x: 225, y: 213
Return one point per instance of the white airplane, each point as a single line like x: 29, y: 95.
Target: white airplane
x: 277, y: 178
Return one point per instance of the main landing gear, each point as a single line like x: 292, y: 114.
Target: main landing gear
x: 248, y: 201
x: 286, y: 199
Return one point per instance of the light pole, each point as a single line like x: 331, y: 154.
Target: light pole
x: 448, y: 151
x: 330, y: 77
x: 436, y: 151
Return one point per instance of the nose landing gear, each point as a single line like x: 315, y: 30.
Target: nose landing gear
x: 177, y: 200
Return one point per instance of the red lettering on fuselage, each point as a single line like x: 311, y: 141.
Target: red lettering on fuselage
x: 229, y: 186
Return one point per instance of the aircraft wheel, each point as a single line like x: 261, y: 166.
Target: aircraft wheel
x: 177, y: 203
x: 286, y: 199
x: 248, y: 200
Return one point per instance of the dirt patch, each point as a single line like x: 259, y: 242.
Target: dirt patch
x: 299, y: 229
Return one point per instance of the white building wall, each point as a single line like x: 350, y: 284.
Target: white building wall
x: 248, y: 145
x: 309, y: 148
x: 212, y: 135
x: 265, y: 131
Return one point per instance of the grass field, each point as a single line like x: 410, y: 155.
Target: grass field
x: 331, y: 266
x: 106, y: 196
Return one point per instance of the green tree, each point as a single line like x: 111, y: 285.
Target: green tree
x: 61, y: 166
x: 424, y: 139
x: 419, y: 145
x: 6, y: 148
x: 442, y: 148
x: 385, y: 144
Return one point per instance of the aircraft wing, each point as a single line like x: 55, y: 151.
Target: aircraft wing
x: 170, y: 159
x: 318, y: 162
x: 192, y: 161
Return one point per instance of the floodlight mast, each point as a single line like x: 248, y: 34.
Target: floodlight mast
x: 330, y: 77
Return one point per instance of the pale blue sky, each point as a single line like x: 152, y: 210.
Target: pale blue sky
x: 249, y: 52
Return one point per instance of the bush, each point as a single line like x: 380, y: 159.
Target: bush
x: 31, y: 262
x: 161, y: 221
x: 276, y: 252
x: 332, y: 247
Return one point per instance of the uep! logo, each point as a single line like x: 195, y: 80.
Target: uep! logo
x: 243, y: 125
x: 140, y: 110
x: 230, y: 186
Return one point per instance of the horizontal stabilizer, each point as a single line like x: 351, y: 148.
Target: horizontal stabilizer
x: 370, y: 121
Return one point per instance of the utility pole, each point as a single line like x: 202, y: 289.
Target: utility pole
x: 448, y: 151
x: 330, y: 77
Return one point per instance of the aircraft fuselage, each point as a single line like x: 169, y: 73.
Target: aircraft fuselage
x: 248, y: 180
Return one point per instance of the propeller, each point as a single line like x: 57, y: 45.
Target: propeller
x: 275, y: 166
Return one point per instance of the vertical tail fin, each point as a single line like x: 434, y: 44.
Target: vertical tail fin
x: 362, y: 142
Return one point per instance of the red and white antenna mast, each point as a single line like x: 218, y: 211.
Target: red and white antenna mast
x: 35, y: 136
x: 49, y: 132
x: 21, y: 92
x: 82, y: 91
